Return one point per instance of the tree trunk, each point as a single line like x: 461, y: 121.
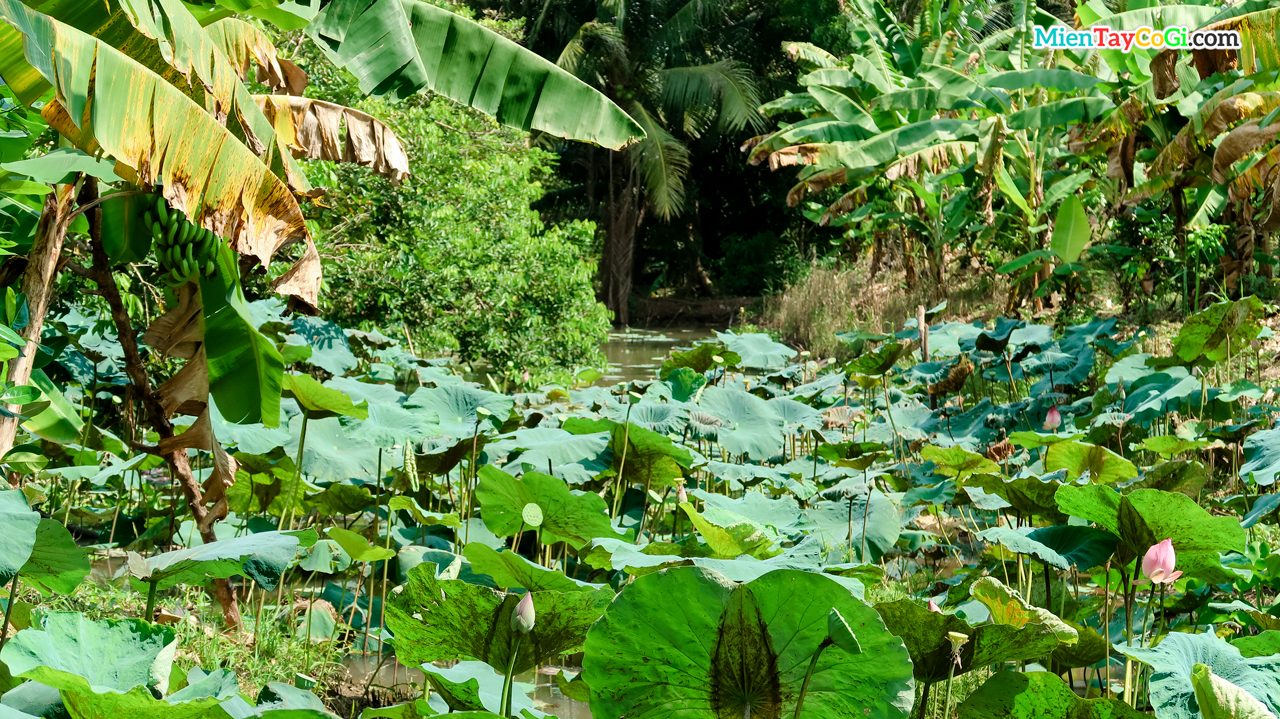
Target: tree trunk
x: 1238, y: 261
x: 38, y: 287
x: 622, y: 218
x: 136, y: 369
x: 1176, y: 201
x: 908, y: 259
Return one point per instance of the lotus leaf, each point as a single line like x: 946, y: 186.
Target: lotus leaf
x: 741, y: 649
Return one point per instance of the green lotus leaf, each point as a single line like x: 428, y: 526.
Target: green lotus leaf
x: 420, y: 515
x: 684, y: 383
x: 341, y: 498
x: 330, y: 350
x: 958, y: 462
x: 642, y: 456
x: 751, y: 426
x: 330, y: 456
x: 1173, y: 662
x: 1096, y: 503
x: 19, y: 535
x: 325, y: 556
x: 757, y: 350
x: 1220, y: 699
x: 567, y: 516
x: 1182, y: 476
x: 103, y: 669
x: 1008, y: 608
x: 1032, y: 496
x: 733, y: 650
x: 57, y: 565
x: 1262, y: 457
x: 662, y: 417
x: 512, y: 570
x: 357, y: 547
x: 320, y: 402
x: 1038, y: 695
x: 1089, y: 649
x: 840, y: 524
x: 473, y: 686
x: 733, y: 540
x: 455, y: 407
x: 1061, y: 546
x: 575, y: 458
x: 1216, y: 330
x: 1149, y: 516
x: 699, y: 359
x: 1258, y: 645
x: 389, y: 425
x: 1103, y: 465
x: 447, y: 619
x: 925, y: 635
x: 262, y: 557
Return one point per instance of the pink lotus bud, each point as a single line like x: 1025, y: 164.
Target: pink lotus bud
x: 523, y: 617
x: 681, y: 496
x: 1157, y: 565
x: 1053, y: 420
x: 933, y: 607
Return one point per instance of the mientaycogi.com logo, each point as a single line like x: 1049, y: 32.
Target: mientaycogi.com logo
x: 1101, y: 37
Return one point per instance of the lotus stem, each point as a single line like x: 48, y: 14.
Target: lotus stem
x: 286, y: 515
x: 8, y: 610
x: 149, y: 613
x: 507, y: 686
x: 804, y: 686
x: 951, y: 675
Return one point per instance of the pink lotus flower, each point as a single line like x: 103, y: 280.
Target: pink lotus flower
x: 933, y: 607
x: 523, y: 617
x: 1157, y: 565
x: 681, y: 496
x: 1053, y: 420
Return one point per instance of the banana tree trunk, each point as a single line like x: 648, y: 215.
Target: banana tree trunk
x: 38, y: 286
x: 1238, y: 261
x: 100, y: 272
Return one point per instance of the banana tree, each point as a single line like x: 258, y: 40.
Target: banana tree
x: 148, y: 86
x: 994, y: 114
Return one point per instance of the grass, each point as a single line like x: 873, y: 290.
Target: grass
x: 830, y: 300
x: 272, y: 654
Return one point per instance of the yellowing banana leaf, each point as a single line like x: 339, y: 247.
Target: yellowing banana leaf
x: 817, y: 182
x: 1216, y: 115
x: 313, y: 129
x: 1240, y: 143
x: 1258, y: 49
x: 165, y: 138
x: 248, y: 48
x: 165, y: 38
x: 401, y: 47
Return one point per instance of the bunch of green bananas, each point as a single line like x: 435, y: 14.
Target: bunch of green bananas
x: 185, y: 250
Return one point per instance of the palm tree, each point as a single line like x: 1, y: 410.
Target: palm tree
x: 674, y: 66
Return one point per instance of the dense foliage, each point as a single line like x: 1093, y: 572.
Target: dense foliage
x: 751, y: 532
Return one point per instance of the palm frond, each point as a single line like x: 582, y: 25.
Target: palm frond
x: 663, y: 162
x: 606, y: 40
x: 724, y: 86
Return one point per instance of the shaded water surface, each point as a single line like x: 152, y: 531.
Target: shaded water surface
x: 636, y: 354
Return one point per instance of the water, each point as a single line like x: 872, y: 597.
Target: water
x: 637, y: 354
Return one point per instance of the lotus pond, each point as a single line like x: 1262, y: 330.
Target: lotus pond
x: 976, y: 520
